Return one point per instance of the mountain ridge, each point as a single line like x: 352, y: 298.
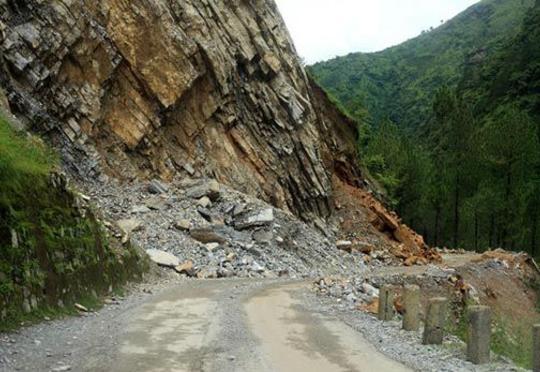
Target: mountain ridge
x: 398, y: 82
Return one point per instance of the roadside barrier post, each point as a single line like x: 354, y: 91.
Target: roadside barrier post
x: 435, y: 321
x: 479, y: 334
x: 411, y: 302
x: 386, y: 303
x: 536, y: 348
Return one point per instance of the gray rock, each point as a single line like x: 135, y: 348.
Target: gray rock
x: 61, y: 369
x: 129, y: 225
x: 262, y: 236
x: 344, y: 245
x: 212, y: 246
x: 204, y: 202
x: 189, y: 169
x: 207, y: 235
x: 260, y: 218
x: 156, y: 203
x: 224, y: 273
x: 157, y: 187
x: 140, y: 209
x: 183, y: 225
x: 239, y: 209
x: 210, y: 189
x: 205, y: 213
x: 163, y: 258
x: 258, y: 268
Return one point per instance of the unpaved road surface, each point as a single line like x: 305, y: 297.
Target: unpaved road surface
x: 199, y: 326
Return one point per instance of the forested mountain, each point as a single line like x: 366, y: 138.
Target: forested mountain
x: 398, y: 83
x: 453, y: 133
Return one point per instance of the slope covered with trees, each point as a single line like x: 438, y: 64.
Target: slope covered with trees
x: 399, y: 82
x: 466, y: 171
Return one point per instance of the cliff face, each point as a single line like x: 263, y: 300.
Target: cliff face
x: 144, y: 88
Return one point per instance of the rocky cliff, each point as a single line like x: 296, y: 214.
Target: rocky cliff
x: 159, y: 87
x: 135, y: 89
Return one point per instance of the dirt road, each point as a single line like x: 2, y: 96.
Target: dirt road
x: 202, y: 326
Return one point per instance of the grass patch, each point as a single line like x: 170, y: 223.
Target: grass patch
x: 51, y: 250
x: 20, y: 319
x: 509, y: 339
x: 513, y: 342
x: 22, y: 156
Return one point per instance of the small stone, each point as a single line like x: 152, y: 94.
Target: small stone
x: 256, y: 267
x: 81, y: 308
x: 189, y: 169
x: 369, y: 290
x: 205, y: 213
x: 207, y: 235
x: 156, y: 187
x: 140, y: 209
x: 204, y: 202
x: 211, y: 189
x: 127, y: 227
x: 344, y: 245
x: 212, y: 246
x: 208, y: 274
x: 183, y: 225
x: 187, y: 268
x: 262, y: 236
x: 260, y: 218
x: 61, y: 369
x: 239, y: 209
x: 224, y: 273
x: 156, y: 203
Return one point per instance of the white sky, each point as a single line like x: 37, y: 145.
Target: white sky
x: 323, y: 29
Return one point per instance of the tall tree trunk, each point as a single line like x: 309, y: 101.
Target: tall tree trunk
x: 491, y: 231
x: 425, y: 233
x: 534, y: 228
x: 456, y: 213
x: 507, y: 218
x: 437, y: 225
x: 476, y: 231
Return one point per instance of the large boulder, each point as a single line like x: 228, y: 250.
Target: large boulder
x: 163, y: 258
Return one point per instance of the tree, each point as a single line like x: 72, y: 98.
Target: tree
x: 511, y: 150
x: 452, y: 135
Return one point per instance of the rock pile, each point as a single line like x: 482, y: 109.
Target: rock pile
x: 206, y: 230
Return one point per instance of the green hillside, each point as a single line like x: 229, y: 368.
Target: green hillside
x: 398, y: 83
x: 454, y: 134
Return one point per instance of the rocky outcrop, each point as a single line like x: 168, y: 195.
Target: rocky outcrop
x: 141, y: 88
x: 137, y: 89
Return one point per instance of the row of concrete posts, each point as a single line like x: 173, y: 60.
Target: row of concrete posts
x: 479, y: 322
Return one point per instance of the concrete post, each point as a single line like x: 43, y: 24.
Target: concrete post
x: 411, y: 302
x: 479, y: 334
x: 386, y: 303
x: 536, y: 348
x: 435, y: 321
